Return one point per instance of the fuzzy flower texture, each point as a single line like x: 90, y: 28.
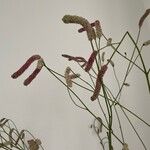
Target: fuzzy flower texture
x: 40, y: 64
x: 85, y: 24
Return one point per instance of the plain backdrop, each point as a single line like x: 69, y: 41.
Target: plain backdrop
x: 30, y: 27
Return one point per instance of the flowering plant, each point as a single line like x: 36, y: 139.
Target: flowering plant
x: 97, y: 67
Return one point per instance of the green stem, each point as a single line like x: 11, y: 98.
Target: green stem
x: 142, y: 61
x: 115, y: 50
x: 116, y: 103
x: 134, y: 129
x: 79, y: 100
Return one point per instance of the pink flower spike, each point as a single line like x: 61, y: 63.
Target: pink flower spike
x: 99, y: 82
x: 32, y: 76
x: 147, y: 12
x: 76, y: 59
x: 68, y: 56
x: 40, y: 64
x: 90, y: 61
x: 97, y: 89
x: 25, y: 66
x: 102, y: 71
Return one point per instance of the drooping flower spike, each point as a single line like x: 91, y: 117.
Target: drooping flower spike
x: 82, y: 21
x: 99, y: 81
x: 33, y: 58
x: 90, y: 61
x: 25, y: 66
x: 76, y: 59
x: 98, y: 29
x: 147, y: 12
x: 40, y: 64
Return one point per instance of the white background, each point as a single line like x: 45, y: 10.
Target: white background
x: 30, y: 27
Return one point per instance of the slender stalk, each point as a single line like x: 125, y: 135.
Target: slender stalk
x: 116, y: 103
x: 74, y: 101
x: 109, y: 108
x: 79, y: 100
x: 134, y: 129
x: 97, y: 133
x: 142, y: 61
x: 99, y: 102
x: 127, y: 71
x: 115, y: 50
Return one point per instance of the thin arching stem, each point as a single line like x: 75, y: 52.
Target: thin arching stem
x: 80, y: 101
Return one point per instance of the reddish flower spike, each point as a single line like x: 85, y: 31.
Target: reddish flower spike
x: 25, y: 66
x: 99, y: 82
x: 40, y: 64
x: 147, y: 12
x: 97, y: 89
x: 102, y: 71
x: 90, y: 61
x: 77, y: 59
x: 32, y: 76
x: 69, y: 57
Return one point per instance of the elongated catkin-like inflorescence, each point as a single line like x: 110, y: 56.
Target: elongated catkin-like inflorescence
x: 90, y: 61
x: 25, y: 66
x: 98, y: 29
x: 67, y: 77
x: 32, y: 76
x: 77, y: 59
x: 99, y: 81
x: 82, y: 21
x: 147, y: 12
x: 40, y: 64
x: 68, y: 56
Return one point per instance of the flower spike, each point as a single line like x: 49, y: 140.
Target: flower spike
x: 40, y: 64
x: 90, y: 61
x: 99, y: 81
x: 82, y: 21
x: 25, y: 66
x: 69, y: 76
x: 147, y: 12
